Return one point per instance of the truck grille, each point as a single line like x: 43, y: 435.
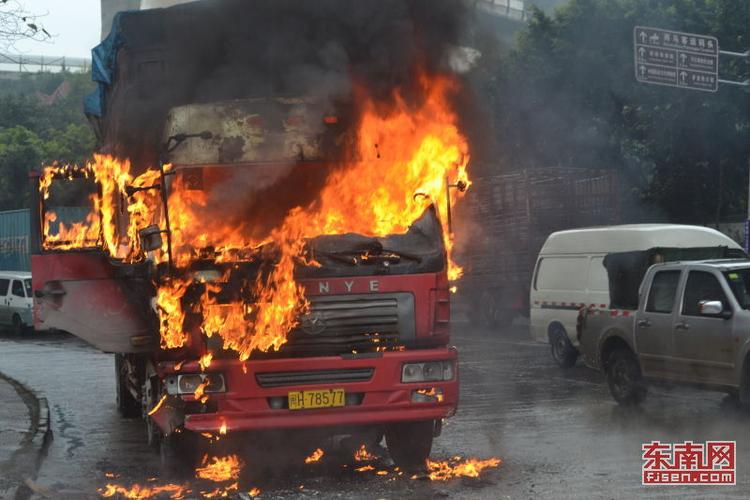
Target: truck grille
x: 342, y: 323
x: 280, y: 379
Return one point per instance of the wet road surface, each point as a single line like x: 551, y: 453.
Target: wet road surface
x: 558, y: 433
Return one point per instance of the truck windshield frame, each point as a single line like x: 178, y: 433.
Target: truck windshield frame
x: 739, y: 282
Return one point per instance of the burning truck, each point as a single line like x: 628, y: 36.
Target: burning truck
x: 268, y: 243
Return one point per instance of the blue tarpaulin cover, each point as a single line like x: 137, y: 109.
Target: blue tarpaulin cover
x: 103, y: 61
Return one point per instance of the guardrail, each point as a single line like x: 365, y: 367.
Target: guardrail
x: 18, y: 63
x: 512, y: 9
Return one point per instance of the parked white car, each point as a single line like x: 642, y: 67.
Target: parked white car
x: 569, y: 273
x: 16, y: 301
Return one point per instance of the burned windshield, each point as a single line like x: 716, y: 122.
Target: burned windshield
x: 739, y: 283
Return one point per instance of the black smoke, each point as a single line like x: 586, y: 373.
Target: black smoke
x: 215, y: 50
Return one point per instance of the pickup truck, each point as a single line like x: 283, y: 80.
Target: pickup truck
x: 691, y: 326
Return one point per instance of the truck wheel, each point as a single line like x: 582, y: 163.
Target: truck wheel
x: 126, y: 403
x: 563, y: 352
x: 488, y: 311
x: 178, y: 455
x: 17, y: 328
x: 410, y: 443
x: 624, y: 377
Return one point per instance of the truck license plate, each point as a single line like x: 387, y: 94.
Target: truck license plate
x: 326, y: 398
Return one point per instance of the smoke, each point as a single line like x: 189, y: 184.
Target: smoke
x: 328, y: 50
x: 217, y: 50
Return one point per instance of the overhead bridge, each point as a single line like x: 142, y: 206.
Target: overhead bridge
x: 511, y: 9
x: 25, y: 63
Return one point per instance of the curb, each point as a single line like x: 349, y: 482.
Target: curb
x: 37, y: 444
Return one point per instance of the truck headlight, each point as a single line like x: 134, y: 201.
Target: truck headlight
x: 430, y: 371
x: 188, y: 383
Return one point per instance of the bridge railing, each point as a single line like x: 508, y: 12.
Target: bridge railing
x: 23, y: 63
x: 513, y: 9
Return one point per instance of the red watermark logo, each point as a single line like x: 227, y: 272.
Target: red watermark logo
x: 712, y: 462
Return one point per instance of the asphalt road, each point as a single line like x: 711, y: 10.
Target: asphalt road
x: 558, y: 433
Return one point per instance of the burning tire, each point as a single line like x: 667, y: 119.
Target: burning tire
x: 410, y: 443
x: 624, y: 377
x: 127, y: 405
x: 563, y: 352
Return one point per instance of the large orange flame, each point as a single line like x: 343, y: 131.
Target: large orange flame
x: 406, y: 159
x: 219, y: 469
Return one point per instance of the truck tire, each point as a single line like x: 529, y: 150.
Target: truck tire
x: 17, y: 326
x: 177, y: 453
x: 491, y: 312
x: 624, y: 377
x: 563, y: 352
x: 488, y: 311
x: 127, y: 405
x: 410, y: 443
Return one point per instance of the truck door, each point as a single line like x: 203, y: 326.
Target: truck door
x: 81, y: 290
x: 4, y: 305
x: 704, y: 349
x: 654, y: 322
x: 17, y: 299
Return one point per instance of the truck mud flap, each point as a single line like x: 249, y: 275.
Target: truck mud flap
x: 168, y: 414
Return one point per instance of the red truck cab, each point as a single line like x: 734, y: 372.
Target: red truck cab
x: 370, y: 354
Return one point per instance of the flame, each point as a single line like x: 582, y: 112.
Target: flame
x: 171, y: 316
x: 405, y: 159
x: 219, y: 469
x: 316, y: 456
x: 455, y: 467
x: 199, y: 392
x: 364, y: 468
x: 139, y: 492
x: 254, y: 492
x: 362, y: 455
x: 221, y: 491
x: 158, y: 405
x: 432, y: 392
x: 205, y: 361
x: 223, y: 428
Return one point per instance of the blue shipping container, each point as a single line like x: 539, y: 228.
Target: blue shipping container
x: 14, y: 235
x: 14, y: 240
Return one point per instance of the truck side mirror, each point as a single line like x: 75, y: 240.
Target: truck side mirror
x: 150, y: 238
x: 714, y: 308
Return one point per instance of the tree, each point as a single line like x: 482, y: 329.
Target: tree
x: 16, y: 23
x: 569, y: 98
x: 19, y: 148
x: 34, y: 132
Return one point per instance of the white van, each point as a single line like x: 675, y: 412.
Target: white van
x: 16, y: 301
x: 569, y: 274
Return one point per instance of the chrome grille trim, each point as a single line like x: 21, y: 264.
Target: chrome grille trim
x: 281, y: 379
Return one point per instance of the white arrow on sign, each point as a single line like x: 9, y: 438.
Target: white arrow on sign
x: 642, y: 52
x: 643, y: 70
x: 682, y: 58
x: 683, y: 75
x: 643, y: 36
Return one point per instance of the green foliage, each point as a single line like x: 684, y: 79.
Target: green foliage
x: 33, y: 133
x: 569, y: 97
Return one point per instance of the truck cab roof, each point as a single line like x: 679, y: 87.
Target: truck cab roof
x: 633, y: 237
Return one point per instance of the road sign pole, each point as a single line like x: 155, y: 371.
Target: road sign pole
x: 686, y: 60
x: 747, y: 221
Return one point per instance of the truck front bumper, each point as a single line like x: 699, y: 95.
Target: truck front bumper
x: 251, y: 403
